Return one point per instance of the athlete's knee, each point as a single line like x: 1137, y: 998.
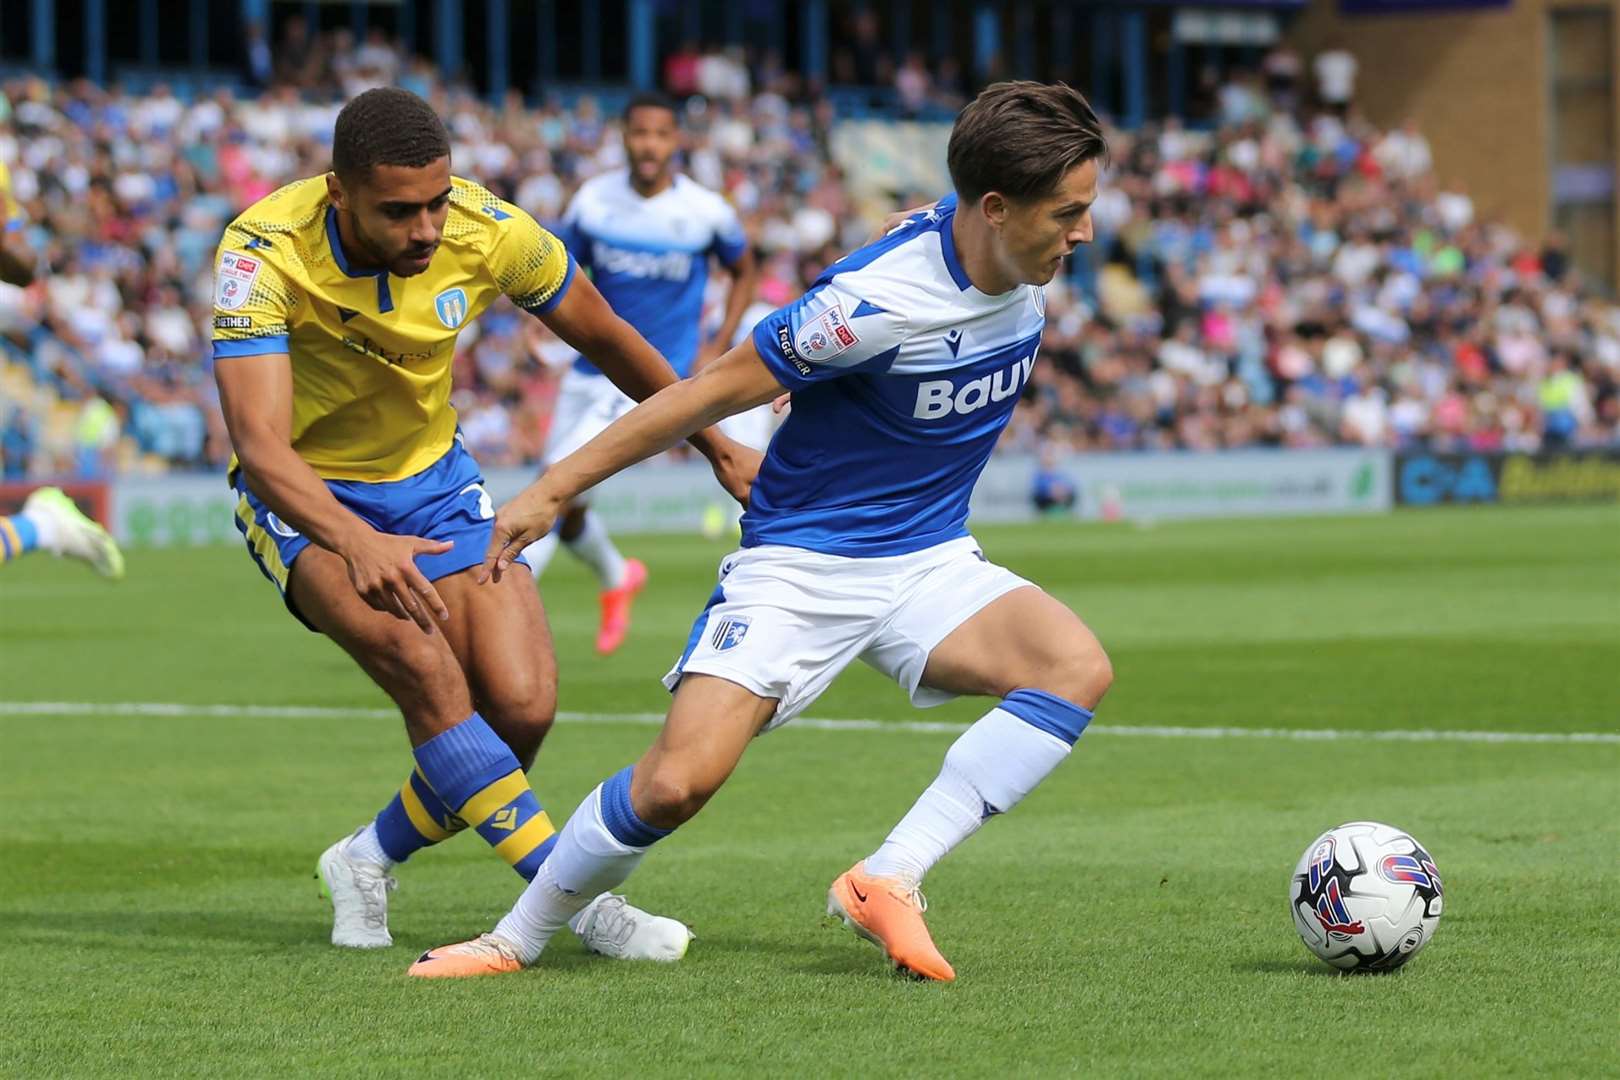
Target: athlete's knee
x: 522, y: 715
x: 669, y: 793
x: 1081, y: 673
x: 422, y: 677
x: 412, y: 657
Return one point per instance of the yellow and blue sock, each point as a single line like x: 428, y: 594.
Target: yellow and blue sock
x: 415, y: 819
x: 478, y: 779
x: 18, y: 534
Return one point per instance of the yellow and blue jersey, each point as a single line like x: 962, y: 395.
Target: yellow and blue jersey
x: 371, y: 352
x: 11, y: 215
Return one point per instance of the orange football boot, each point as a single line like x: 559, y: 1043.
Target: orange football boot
x: 616, y: 607
x: 888, y: 913
x: 485, y: 954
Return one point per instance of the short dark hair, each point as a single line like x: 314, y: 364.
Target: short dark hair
x: 651, y: 99
x: 386, y: 126
x: 1021, y: 138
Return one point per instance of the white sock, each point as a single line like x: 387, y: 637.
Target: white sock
x: 366, y: 847
x: 595, y: 548
x: 45, y: 527
x: 538, y: 554
x: 587, y: 861
x: 987, y: 771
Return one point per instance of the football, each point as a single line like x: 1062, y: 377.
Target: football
x: 1366, y: 897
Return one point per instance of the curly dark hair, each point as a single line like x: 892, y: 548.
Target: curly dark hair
x: 386, y: 126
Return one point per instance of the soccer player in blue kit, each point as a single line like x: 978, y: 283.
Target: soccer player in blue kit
x: 646, y: 235
x: 905, y: 360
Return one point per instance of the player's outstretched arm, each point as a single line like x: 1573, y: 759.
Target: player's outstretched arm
x: 737, y: 381
x: 584, y: 320
x: 255, y: 394
x: 897, y: 219
x: 744, y: 279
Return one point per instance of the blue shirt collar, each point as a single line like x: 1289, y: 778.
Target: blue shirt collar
x: 336, y: 243
x: 946, y: 209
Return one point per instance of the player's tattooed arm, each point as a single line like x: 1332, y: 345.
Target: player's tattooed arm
x: 255, y: 395
x: 737, y: 381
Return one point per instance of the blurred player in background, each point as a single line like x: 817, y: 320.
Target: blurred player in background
x: 646, y: 234
x: 49, y: 520
x: 16, y: 257
x: 338, y: 300
x: 752, y: 428
x: 905, y: 359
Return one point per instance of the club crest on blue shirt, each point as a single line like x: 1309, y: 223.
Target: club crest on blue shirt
x: 451, y: 306
x: 729, y: 633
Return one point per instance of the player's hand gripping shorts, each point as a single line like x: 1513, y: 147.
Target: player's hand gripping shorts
x: 445, y: 501
x: 783, y: 621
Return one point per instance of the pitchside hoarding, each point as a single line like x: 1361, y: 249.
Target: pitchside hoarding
x: 674, y: 497
x: 1424, y: 479
x: 1238, y: 483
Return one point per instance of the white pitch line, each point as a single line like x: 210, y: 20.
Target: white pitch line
x: 307, y: 712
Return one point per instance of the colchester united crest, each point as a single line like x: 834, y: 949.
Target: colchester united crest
x: 451, y: 306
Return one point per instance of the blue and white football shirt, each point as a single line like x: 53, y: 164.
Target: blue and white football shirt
x: 650, y: 257
x: 903, y: 377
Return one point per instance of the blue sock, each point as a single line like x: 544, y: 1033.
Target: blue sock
x: 477, y: 777
x: 620, y: 817
x: 415, y: 819
x: 1049, y: 713
x: 18, y: 534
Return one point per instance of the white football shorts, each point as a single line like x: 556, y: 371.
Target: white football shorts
x: 752, y: 428
x: 586, y: 405
x: 783, y: 621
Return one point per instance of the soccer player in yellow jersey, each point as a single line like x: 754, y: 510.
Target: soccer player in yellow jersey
x: 16, y: 257
x: 337, y: 304
x: 48, y: 520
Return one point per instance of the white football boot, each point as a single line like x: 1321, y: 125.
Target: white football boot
x: 612, y: 926
x: 71, y: 534
x: 359, y: 894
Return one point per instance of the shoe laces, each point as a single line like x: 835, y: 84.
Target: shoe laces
x: 373, y: 884
x: 908, y: 891
x: 485, y: 944
x: 610, y: 922
x: 911, y: 894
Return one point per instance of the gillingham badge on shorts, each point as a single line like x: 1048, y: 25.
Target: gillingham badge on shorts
x: 728, y: 633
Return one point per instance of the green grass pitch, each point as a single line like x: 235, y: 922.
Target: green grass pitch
x: 158, y: 917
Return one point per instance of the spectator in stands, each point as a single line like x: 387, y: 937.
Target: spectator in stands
x: 1335, y: 70
x: 1285, y: 279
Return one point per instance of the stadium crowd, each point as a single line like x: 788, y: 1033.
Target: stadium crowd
x: 1282, y: 276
